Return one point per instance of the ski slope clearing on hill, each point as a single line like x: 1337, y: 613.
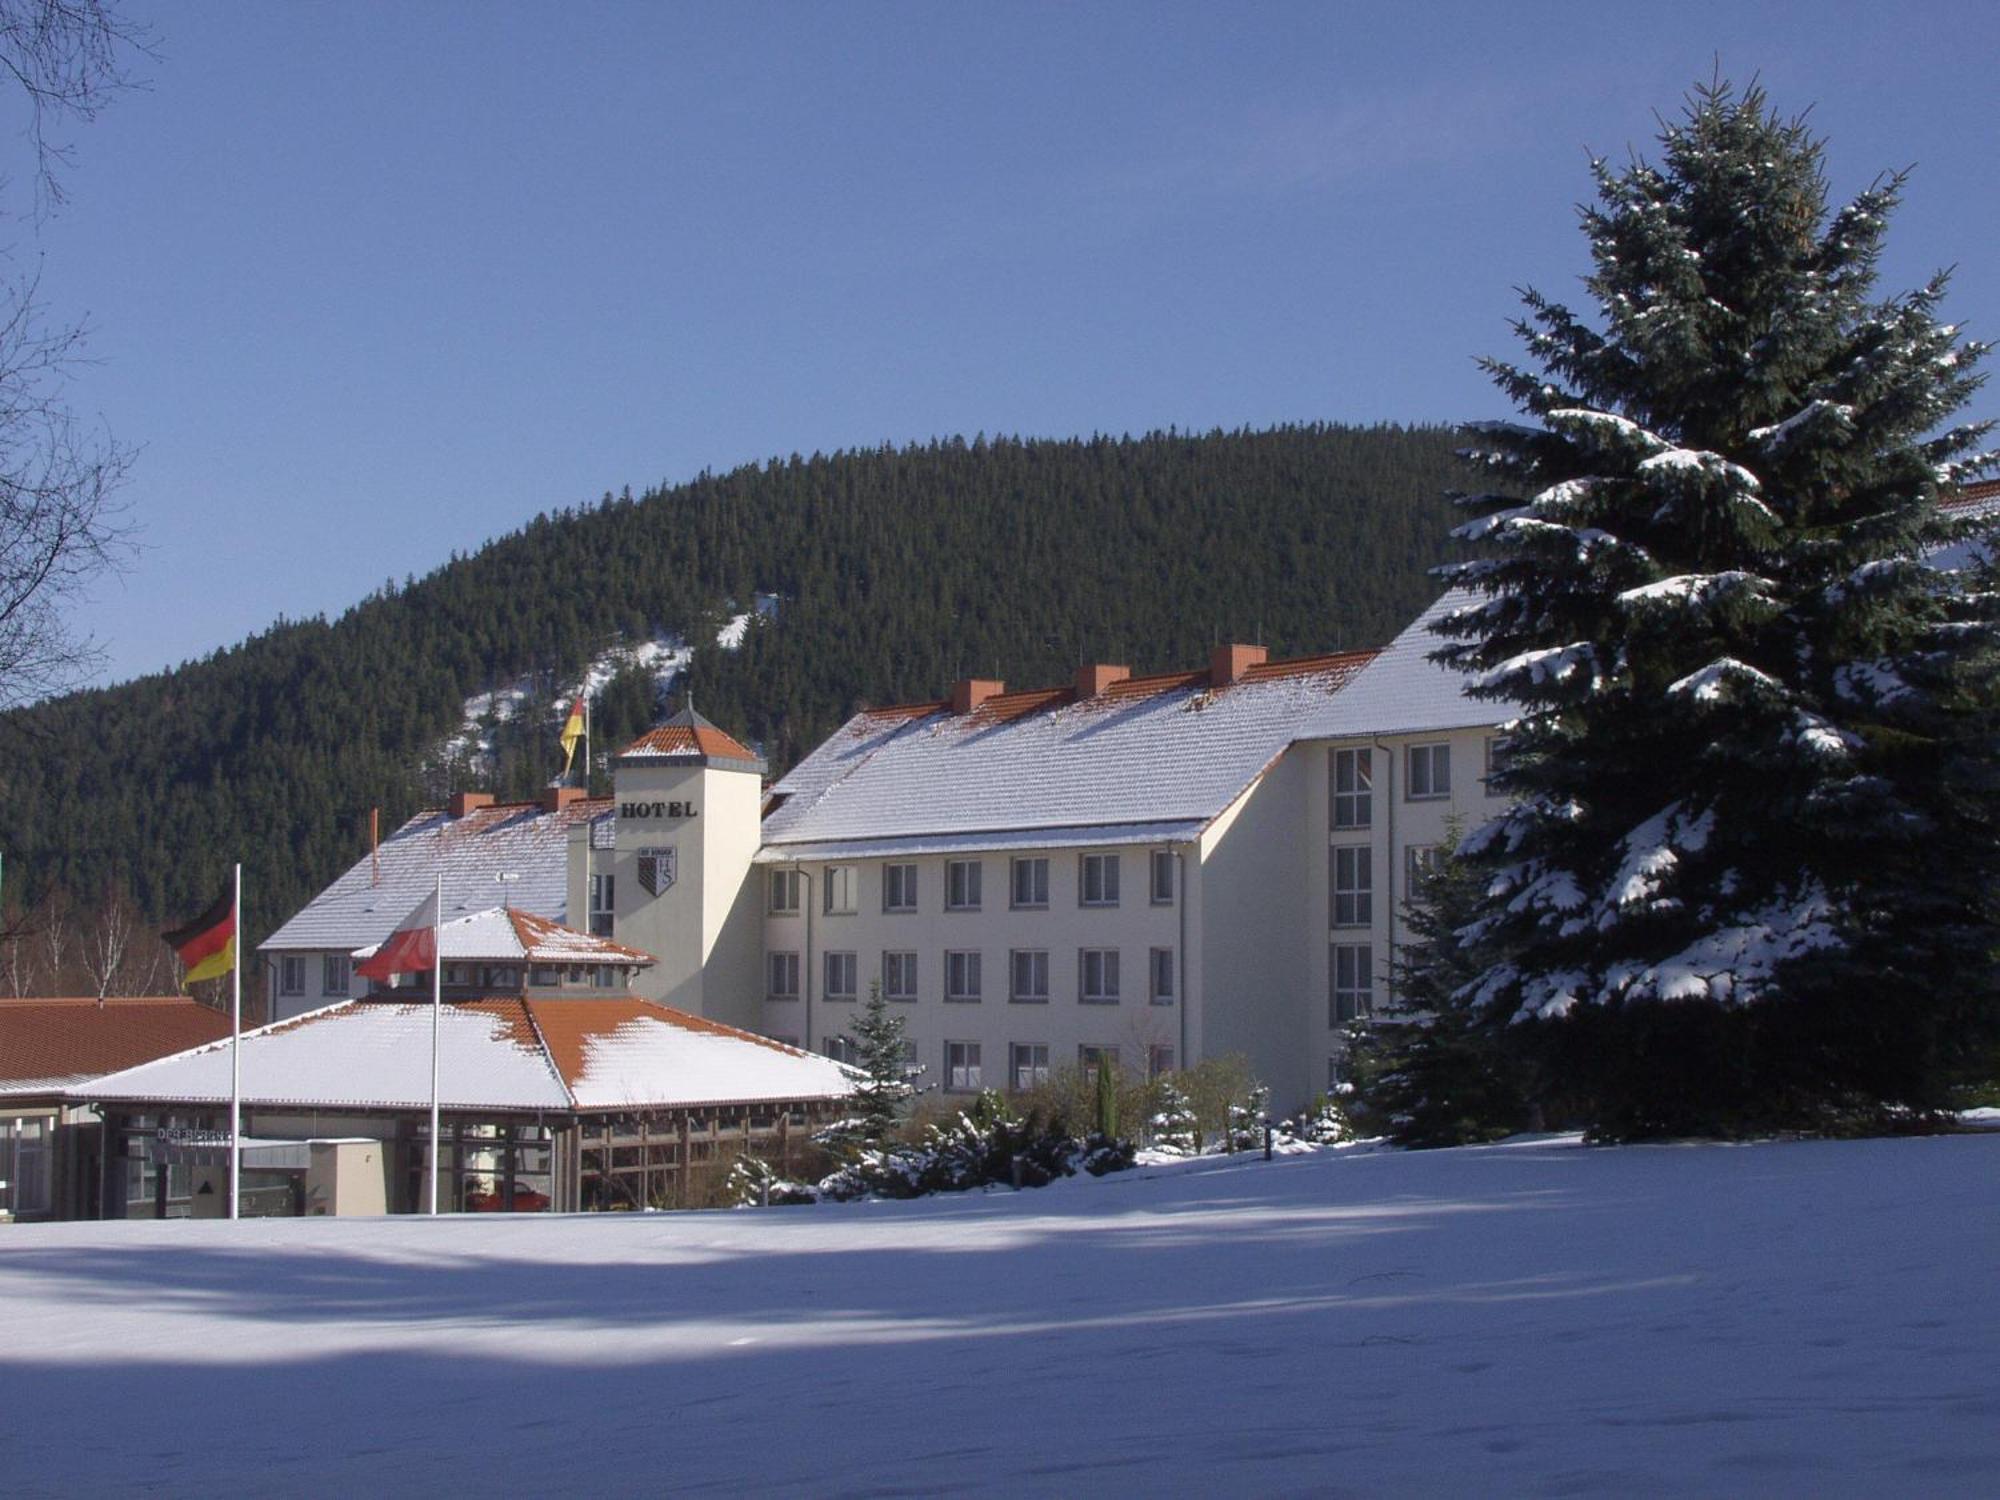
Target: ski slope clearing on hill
x: 1533, y: 1318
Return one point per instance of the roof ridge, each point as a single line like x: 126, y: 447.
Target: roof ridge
x: 548, y: 1052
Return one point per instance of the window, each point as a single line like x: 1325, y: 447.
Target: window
x: 1353, y: 966
x: 1030, y: 983
x: 25, y: 1180
x: 1160, y: 982
x: 292, y: 974
x: 1353, y: 788
x: 899, y: 976
x: 841, y: 884
x: 1031, y: 884
x: 1099, y: 883
x: 961, y: 1067
x: 784, y: 893
x: 1163, y: 877
x: 784, y: 976
x: 603, y: 904
x: 839, y: 976
x: 1090, y: 1057
x: 1420, y: 862
x: 1353, y: 885
x: 961, y: 977
x: 1159, y: 1060
x: 961, y: 884
x: 1430, y: 772
x: 544, y: 976
x: 333, y: 971
x: 1492, y: 748
x: 1028, y: 1065
x: 843, y: 1049
x: 899, y: 887
x: 1097, y: 983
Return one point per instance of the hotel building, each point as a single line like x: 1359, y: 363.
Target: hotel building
x: 1153, y: 870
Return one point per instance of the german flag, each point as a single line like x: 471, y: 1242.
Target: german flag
x: 207, y: 945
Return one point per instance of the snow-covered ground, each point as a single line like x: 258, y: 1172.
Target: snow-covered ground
x: 1533, y: 1318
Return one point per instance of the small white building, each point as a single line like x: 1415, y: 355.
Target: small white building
x: 555, y: 1090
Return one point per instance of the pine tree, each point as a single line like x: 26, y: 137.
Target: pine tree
x: 1427, y: 1073
x: 1747, y: 880
x: 1173, y: 1124
x: 884, y: 1087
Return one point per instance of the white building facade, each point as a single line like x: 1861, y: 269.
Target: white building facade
x: 1154, y: 870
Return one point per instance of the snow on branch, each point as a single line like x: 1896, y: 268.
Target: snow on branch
x: 1698, y: 590
x: 1701, y: 461
x: 1737, y: 964
x: 1834, y: 417
x: 1652, y: 851
x: 1870, y: 682
x: 1720, y: 679
x: 1547, y: 666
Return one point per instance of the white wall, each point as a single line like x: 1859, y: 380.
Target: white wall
x: 703, y: 928
x: 1064, y: 1023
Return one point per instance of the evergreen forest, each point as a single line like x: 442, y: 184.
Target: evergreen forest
x: 896, y: 570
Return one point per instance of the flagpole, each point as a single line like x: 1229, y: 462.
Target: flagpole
x: 236, y: 1050
x: 437, y: 1010
x: 586, y: 739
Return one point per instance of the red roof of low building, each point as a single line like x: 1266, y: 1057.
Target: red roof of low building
x: 1979, y: 493
x: 50, y: 1044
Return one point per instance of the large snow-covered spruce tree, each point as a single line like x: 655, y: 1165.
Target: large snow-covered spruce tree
x: 1749, y: 879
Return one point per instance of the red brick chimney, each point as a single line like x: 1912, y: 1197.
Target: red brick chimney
x: 1096, y: 677
x: 556, y: 798
x: 1227, y: 664
x: 465, y: 802
x: 969, y: 692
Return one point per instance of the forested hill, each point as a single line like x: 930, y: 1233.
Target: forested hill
x: 897, y: 570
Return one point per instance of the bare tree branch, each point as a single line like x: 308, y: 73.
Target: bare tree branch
x: 70, y: 59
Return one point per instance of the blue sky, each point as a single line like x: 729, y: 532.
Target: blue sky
x: 371, y: 284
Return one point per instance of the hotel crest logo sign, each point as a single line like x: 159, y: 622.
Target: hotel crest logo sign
x: 658, y: 869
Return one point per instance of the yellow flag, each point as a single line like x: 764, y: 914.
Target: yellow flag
x: 572, y: 732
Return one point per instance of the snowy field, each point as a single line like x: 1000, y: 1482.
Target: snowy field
x: 1535, y: 1318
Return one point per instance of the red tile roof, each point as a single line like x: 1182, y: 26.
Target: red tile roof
x: 686, y: 739
x: 1979, y: 492
x: 568, y: 1027
x: 57, y: 1042
x: 1005, y: 708
x: 554, y: 943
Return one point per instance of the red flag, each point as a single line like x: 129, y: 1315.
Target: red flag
x: 410, y: 949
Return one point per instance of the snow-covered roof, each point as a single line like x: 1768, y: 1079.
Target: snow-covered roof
x: 912, y: 845
x: 525, y: 841
x: 501, y: 934
x: 499, y: 1054
x: 1145, y: 750
x: 1972, y: 502
x: 1402, y: 691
